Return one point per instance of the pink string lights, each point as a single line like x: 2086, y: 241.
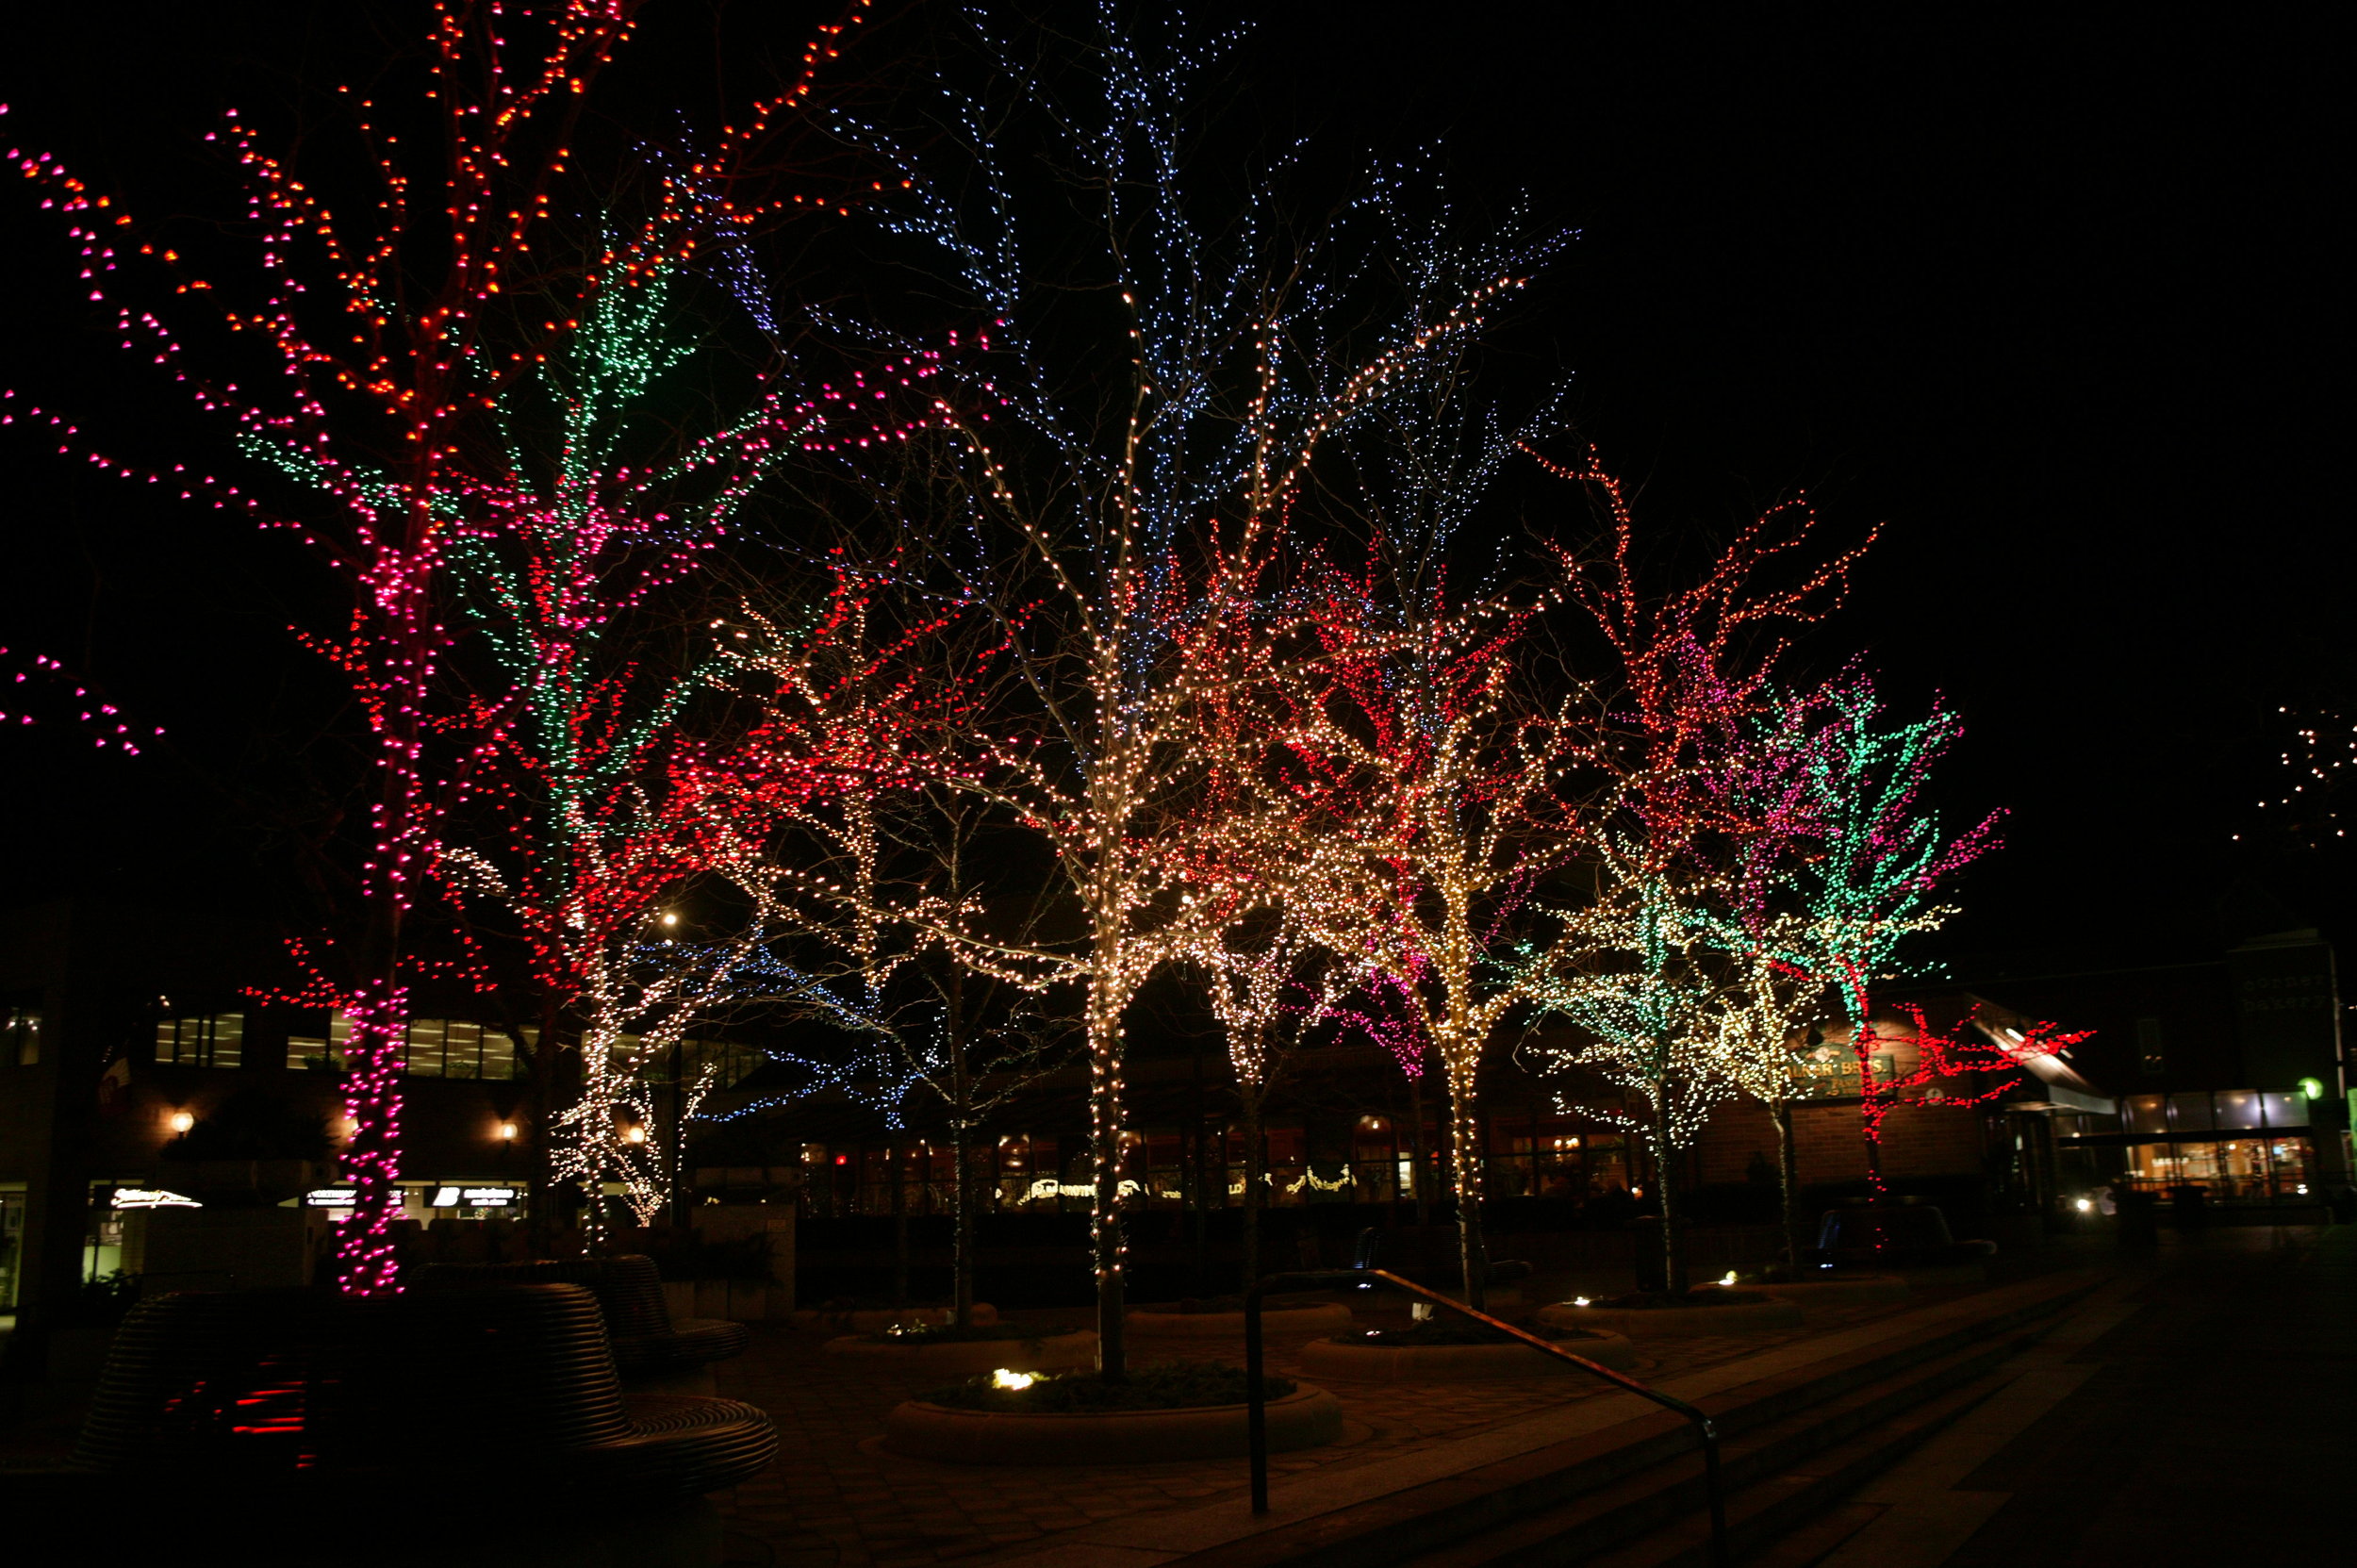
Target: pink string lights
x: 382, y: 345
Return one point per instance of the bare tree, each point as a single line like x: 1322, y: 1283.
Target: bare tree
x: 1119, y: 439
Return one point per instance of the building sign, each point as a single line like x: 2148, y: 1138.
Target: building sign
x: 152, y: 1198
x: 2286, y: 1009
x: 330, y: 1197
x: 1048, y: 1187
x: 473, y: 1198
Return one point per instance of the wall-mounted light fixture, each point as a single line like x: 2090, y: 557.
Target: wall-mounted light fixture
x: 181, y: 1121
x: 634, y: 1134
x: 507, y: 1133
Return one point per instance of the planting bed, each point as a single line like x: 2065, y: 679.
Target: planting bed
x: 1163, y: 1412
x: 951, y: 1354
x: 1445, y: 1357
x: 1711, y: 1310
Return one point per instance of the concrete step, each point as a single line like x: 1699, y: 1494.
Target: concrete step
x: 1649, y: 1465
x: 1768, y: 1514
x: 1648, y: 1507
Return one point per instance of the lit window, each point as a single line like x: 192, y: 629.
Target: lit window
x: 213, y: 1040
x: 465, y: 1048
x: 2285, y: 1110
x: 2238, y: 1110
x: 425, y: 1048
x: 318, y: 1052
x: 20, y: 1036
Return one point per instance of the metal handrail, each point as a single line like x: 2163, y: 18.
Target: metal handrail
x: 1337, y: 1279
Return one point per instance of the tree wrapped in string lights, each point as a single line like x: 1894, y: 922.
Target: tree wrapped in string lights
x: 855, y: 885
x: 1266, y: 993
x: 1660, y: 976
x: 1429, y: 797
x: 49, y: 686
x: 1875, y: 865
x: 910, y: 1032
x: 1970, y: 1064
x: 1129, y: 425
x: 372, y: 346
x: 609, y: 724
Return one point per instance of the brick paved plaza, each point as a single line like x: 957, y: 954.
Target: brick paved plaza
x: 2270, y: 1312
x: 836, y: 1496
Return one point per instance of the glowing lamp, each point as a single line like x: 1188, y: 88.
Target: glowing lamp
x: 2084, y: 1204
x: 2312, y: 1088
x: 634, y: 1136
x: 1005, y: 1378
x: 507, y: 1133
x: 181, y: 1121
x: 1730, y: 1278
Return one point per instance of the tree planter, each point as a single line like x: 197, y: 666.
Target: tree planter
x: 963, y: 1358
x: 1836, y: 1290
x: 1327, y: 1318
x: 1457, y: 1363
x: 1667, y: 1322
x: 1305, y: 1418
x: 1971, y: 1271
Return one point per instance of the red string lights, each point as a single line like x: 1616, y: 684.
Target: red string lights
x: 385, y: 344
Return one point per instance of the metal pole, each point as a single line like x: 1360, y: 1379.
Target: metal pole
x: 1255, y: 1398
x: 1718, y: 1497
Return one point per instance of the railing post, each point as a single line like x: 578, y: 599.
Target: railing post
x: 1718, y: 1497
x: 1256, y: 1416
x: 1256, y: 1397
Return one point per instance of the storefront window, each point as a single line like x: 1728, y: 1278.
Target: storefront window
x: 2147, y: 1114
x: 2289, y: 1160
x: 2238, y: 1109
x: 2285, y: 1110
x: 12, y: 1244
x: 20, y: 1034
x: 2225, y: 1169
x: 1374, y: 1159
x: 2189, y: 1112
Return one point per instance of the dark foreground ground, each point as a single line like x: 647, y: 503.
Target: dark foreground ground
x: 2198, y: 1407
x: 2217, y: 1421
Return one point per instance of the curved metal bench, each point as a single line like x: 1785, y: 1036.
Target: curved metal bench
x: 315, y: 1391
x: 647, y: 1341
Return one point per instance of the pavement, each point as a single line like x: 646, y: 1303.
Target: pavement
x: 2201, y: 1408
x: 2202, y: 1404
x: 835, y: 1497
x: 2198, y: 1405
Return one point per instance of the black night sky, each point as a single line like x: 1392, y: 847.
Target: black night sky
x: 2048, y: 294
